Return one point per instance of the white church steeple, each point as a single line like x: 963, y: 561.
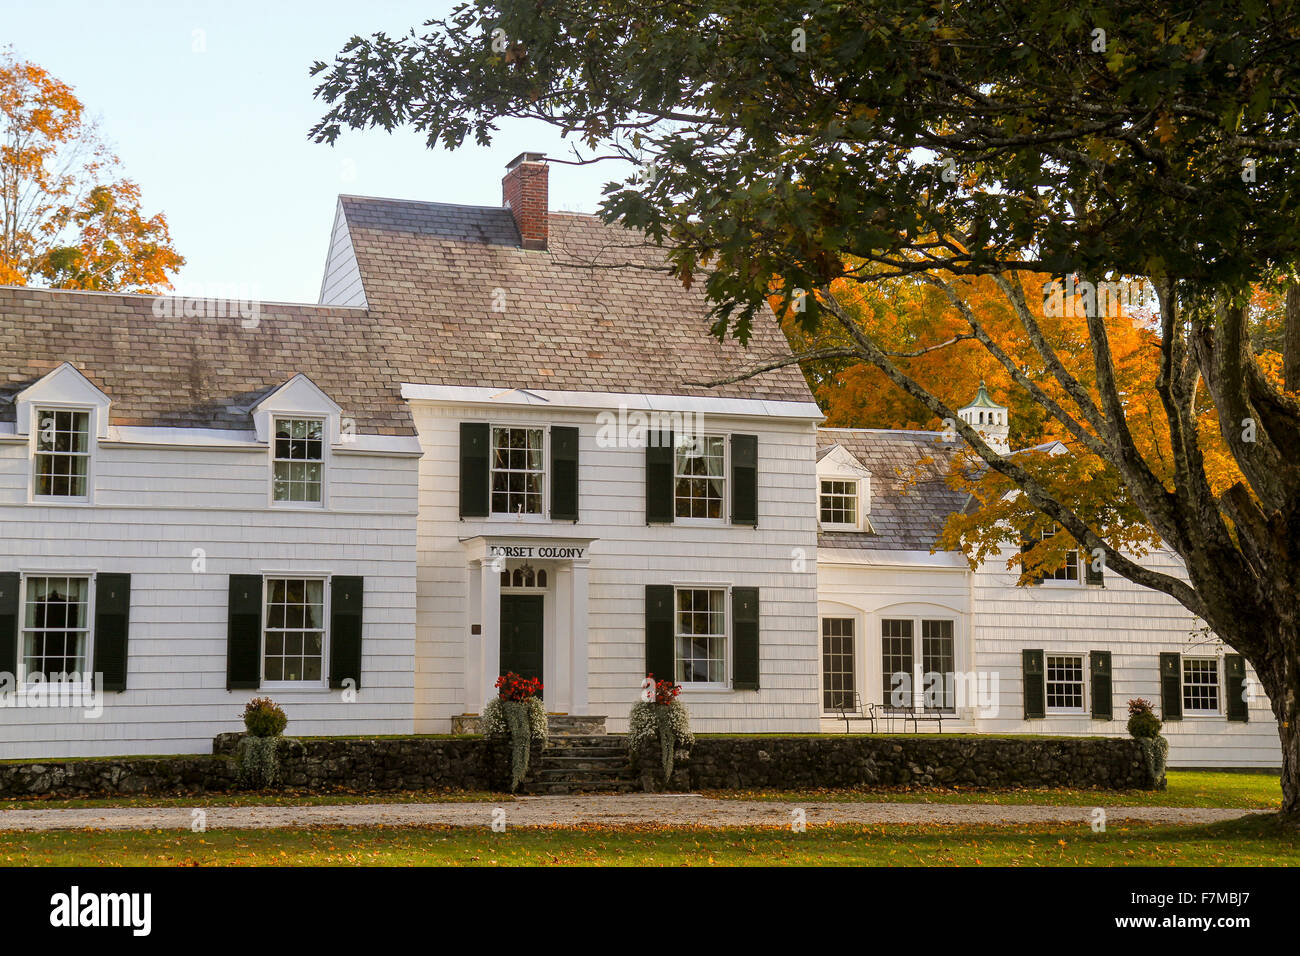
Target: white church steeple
x: 989, y: 419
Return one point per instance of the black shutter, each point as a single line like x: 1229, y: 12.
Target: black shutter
x: 346, y: 601
x: 660, y: 658
x: 564, y: 473
x: 659, y: 497
x: 1234, y: 685
x: 244, y: 632
x: 1025, y: 545
x: 112, y: 623
x: 744, y: 658
x: 475, y: 442
x: 1103, y: 706
x: 1171, y: 687
x: 1035, y: 687
x: 1093, y: 577
x: 744, y: 479
x: 9, y: 623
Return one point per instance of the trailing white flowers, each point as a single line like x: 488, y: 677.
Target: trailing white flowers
x: 669, y: 724
x: 523, y: 721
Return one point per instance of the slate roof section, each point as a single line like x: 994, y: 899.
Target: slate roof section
x: 596, y: 311
x: 197, y: 372
x: 910, y: 496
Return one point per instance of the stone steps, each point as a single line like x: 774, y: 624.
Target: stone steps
x: 577, y: 763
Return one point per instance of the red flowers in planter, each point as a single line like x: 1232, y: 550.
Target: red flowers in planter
x: 666, y: 691
x: 511, y: 686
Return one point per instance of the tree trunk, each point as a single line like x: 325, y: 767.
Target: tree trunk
x: 1282, y: 684
x: 1291, y: 339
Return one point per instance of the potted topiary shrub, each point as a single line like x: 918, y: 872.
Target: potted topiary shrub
x: 517, y: 713
x: 257, y: 759
x: 1145, y: 726
x: 661, y: 718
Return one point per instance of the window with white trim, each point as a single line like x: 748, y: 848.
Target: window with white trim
x: 839, y: 504
x: 56, y: 628
x: 1064, y: 683
x: 1200, y: 685
x: 701, y: 635
x: 298, y: 460
x: 699, y: 475
x: 62, y: 460
x: 1069, y: 571
x: 293, y: 640
x: 837, y: 663
x: 518, y: 472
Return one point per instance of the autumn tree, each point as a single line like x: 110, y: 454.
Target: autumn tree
x: 67, y: 219
x: 828, y: 144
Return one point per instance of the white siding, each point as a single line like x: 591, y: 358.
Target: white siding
x: 627, y: 556
x: 1135, y: 624
x: 341, y: 284
x: 153, y: 506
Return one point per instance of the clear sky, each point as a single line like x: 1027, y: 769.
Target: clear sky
x: 208, y: 104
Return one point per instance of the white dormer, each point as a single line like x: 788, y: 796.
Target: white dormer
x: 843, y: 492
x: 66, y: 388
x: 299, y: 423
x: 63, y: 415
x: 989, y: 419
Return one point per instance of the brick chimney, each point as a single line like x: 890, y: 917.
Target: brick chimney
x: 523, y: 192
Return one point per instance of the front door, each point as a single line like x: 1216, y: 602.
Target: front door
x: 521, y: 634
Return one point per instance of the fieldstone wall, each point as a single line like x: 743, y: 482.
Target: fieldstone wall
x: 362, y: 764
x: 806, y: 763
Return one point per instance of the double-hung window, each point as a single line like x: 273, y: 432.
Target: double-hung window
x: 62, y: 460
x: 1200, y: 685
x: 293, y: 639
x: 1069, y: 571
x: 518, y: 472
x: 701, y: 635
x: 699, y: 476
x: 56, y: 628
x: 839, y: 504
x: 1064, y: 683
x: 935, y: 680
x: 298, y: 461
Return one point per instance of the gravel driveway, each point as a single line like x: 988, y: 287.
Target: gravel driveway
x: 620, y: 810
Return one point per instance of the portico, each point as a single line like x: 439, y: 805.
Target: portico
x: 527, y: 610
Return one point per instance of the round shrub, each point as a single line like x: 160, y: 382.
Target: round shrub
x: 1142, y: 720
x: 263, y: 717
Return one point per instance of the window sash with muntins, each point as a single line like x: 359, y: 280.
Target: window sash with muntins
x: 1064, y: 683
x: 298, y: 460
x: 839, y: 502
x: 701, y: 636
x: 56, y: 628
x: 293, y: 638
x: 896, y: 657
x: 938, y: 656
x: 837, y: 662
x: 518, y: 470
x: 699, y: 476
x: 1200, y: 685
x: 62, y: 462
x: 1068, y: 571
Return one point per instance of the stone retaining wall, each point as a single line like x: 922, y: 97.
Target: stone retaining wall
x: 807, y: 763
x: 361, y: 764
x: 474, y: 763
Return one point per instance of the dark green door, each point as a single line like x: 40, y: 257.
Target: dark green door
x: 521, y: 634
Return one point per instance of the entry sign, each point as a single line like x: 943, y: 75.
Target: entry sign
x: 534, y: 551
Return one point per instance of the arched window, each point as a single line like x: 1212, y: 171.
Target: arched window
x: 541, y: 578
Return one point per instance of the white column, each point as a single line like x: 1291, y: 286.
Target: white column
x: 473, y: 642
x: 490, y: 615
x: 579, y: 644
x: 559, y: 661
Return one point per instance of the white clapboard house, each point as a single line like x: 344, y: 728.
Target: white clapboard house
x: 490, y: 448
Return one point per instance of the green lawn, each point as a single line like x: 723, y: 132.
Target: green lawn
x: 1257, y: 841
x: 1187, y: 788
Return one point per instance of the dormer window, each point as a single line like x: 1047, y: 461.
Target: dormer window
x: 839, y: 504
x: 62, y: 459
x: 298, y: 463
